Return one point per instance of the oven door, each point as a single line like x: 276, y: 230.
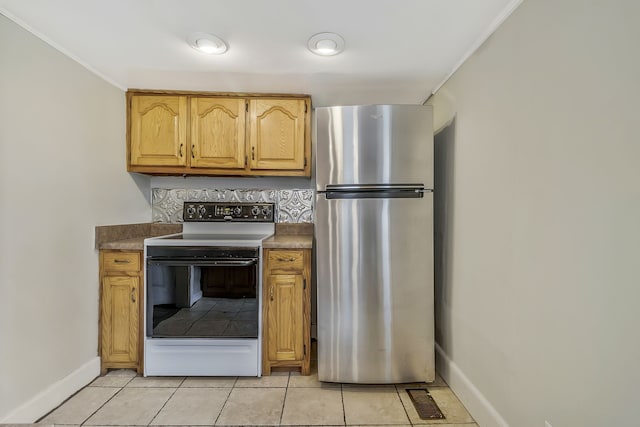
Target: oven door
x: 202, y: 292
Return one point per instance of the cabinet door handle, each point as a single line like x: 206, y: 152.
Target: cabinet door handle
x: 180, y: 152
x: 193, y: 149
x: 122, y: 261
x: 133, y: 294
x: 271, y: 293
x: 253, y: 153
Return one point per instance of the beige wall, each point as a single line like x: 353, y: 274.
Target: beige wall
x: 62, y: 172
x: 538, y: 218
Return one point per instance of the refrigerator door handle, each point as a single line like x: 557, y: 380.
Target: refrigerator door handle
x: 373, y: 187
x: 378, y: 193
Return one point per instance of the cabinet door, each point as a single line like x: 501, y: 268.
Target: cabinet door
x: 284, y: 320
x: 277, y: 134
x: 217, y: 133
x: 119, y: 322
x: 158, y: 130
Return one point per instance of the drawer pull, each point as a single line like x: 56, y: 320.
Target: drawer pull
x: 133, y: 294
x: 286, y: 259
x: 122, y: 261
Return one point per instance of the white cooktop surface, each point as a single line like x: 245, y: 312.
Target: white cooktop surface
x: 227, y: 234
x: 190, y: 236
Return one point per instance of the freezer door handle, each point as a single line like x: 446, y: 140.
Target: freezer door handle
x: 373, y: 187
x: 378, y: 193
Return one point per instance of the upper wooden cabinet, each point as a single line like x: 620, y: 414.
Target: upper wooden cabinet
x: 158, y: 130
x: 276, y: 128
x: 218, y: 134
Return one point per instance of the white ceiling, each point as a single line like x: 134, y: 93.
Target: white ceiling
x: 396, y: 51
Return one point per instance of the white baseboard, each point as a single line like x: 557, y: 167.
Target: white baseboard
x: 54, y: 395
x: 478, y: 406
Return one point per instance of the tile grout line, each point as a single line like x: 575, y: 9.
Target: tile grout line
x: 233, y: 387
x: 107, y: 401
x: 166, y: 401
x: 61, y: 404
x: 64, y: 402
x: 403, y: 406
x: 286, y: 390
x: 344, y: 411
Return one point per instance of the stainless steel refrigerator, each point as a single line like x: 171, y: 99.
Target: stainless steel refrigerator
x: 374, y: 243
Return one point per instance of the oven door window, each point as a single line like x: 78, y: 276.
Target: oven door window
x: 202, y: 299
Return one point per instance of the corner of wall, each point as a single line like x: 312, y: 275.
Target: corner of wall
x: 476, y: 403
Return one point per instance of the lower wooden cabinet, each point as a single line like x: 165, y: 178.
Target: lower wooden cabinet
x: 120, y: 309
x: 286, y: 309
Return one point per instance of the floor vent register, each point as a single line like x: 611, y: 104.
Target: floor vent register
x: 426, y: 407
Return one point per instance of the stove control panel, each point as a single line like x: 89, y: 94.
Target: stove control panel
x: 228, y: 212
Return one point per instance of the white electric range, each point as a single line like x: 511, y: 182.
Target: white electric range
x: 203, y: 299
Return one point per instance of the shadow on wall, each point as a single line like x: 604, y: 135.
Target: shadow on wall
x: 143, y: 182
x: 444, y: 144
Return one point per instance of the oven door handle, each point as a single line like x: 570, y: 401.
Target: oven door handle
x: 205, y: 263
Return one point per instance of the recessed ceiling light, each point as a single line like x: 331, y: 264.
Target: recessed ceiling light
x: 326, y: 44
x: 207, y: 43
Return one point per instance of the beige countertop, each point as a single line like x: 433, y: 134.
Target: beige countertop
x: 130, y: 237
x: 288, y: 241
x: 290, y: 236
x: 135, y: 244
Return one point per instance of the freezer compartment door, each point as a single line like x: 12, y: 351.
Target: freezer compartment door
x: 370, y: 144
x: 375, y: 289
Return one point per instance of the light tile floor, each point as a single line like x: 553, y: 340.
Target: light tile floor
x: 123, y: 399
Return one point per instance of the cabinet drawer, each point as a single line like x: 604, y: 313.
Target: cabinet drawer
x: 121, y: 261
x: 286, y: 260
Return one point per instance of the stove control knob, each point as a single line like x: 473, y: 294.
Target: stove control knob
x: 191, y: 210
x: 237, y: 211
x: 266, y: 211
x: 255, y: 211
x: 202, y: 210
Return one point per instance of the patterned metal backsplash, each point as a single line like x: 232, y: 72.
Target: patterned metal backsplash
x: 292, y: 206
